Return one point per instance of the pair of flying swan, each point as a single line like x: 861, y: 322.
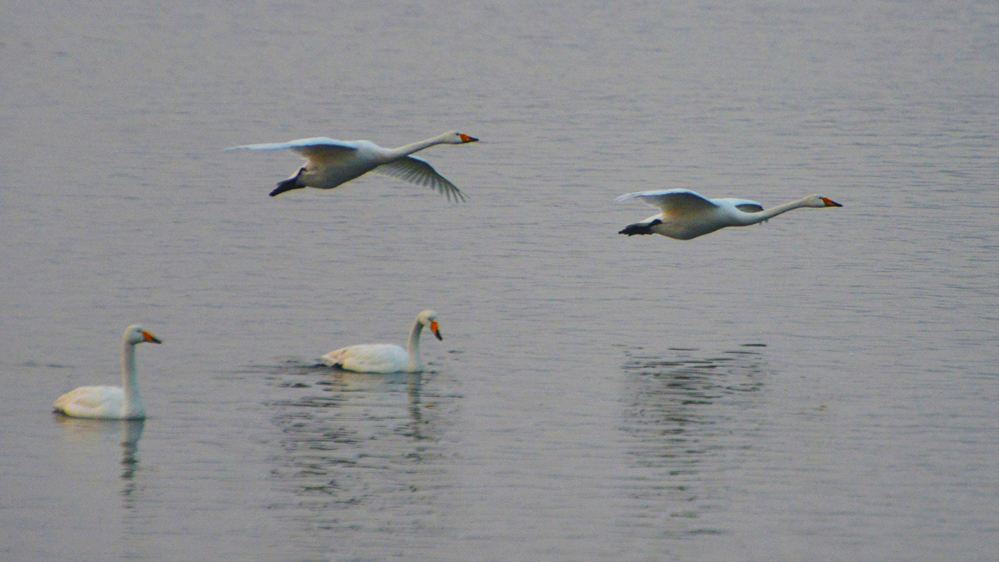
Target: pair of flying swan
x: 685, y: 214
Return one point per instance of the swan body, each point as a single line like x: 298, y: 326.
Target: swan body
x: 383, y: 357
x: 687, y: 215
x: 111, y: 402
x: 331, y: 162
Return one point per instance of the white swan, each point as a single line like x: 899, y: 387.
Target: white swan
x: 687, y: 215
x: 111, y: 402
x: 331, y: 162
x: 383, y: 357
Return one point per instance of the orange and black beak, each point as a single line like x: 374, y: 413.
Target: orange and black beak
x: 830, y: 203
x: 466, y: 138
x: 149, y: 337
x: 436, y: 330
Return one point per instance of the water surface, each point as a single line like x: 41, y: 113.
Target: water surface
x: 818, y: 387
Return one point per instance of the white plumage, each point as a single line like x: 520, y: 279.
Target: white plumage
x: 111, y: 402
x: 687, y: 215
x: 331, y: 162
x: 383, y: 357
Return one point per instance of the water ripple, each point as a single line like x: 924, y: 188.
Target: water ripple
x: 359, y: 453
x: 685, y: 416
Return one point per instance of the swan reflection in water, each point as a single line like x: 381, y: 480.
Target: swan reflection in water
x: 688, y: 414
x: 82, y: 430
x: 356, y: 450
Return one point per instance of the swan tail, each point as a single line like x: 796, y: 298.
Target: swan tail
x: 288, y: 184
x: 640, y: 228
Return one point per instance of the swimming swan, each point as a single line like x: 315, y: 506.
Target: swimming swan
x: 383, y: 357
x: 687, y: 215
x: 332, y: 162
x: 111, y: 402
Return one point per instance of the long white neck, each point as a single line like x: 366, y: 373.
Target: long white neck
x: 413, y: 347
x: 767, y: 214
x: 418, y: 146
x: 128, y: 378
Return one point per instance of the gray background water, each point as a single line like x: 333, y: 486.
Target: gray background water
x: 821, y: 387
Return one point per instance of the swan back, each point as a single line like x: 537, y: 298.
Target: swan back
x: 370, y: 358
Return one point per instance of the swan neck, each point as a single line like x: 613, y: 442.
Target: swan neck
x: 417, y: 146
x: 774, y: 211
x: 128, y: 375
x: 413, y: 346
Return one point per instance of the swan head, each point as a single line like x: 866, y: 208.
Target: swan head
x: 136, y: 334
x: 429, y: 319
x: 454, y: 137
x: 820, y: 201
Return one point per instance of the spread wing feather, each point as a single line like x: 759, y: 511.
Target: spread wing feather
x: 317, y: 148
x: 673, y: 200
x: 418, y: 171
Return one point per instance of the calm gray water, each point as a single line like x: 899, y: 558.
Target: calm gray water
x: 821, y: 387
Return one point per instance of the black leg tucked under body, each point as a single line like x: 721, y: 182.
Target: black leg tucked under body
x: 288, y: 184
x: 640, y: 228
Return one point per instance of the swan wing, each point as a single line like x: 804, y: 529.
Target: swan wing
x: 672, y: 201
x: 419, y: 171
x: 749, y: 207
x: 374, y: 358
x: 744, y: 205
x: 317, y: 148
x: 91, y: 402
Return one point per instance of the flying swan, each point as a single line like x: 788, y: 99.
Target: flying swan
x: 332, y: 162
x: 687, y: 215
x: 383, y: 357
x: 111, y: 402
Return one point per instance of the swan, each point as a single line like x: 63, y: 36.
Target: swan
x: 332, y: 162
x: 383, y: 357
x: 687, y: 215
x: 111, y: 402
